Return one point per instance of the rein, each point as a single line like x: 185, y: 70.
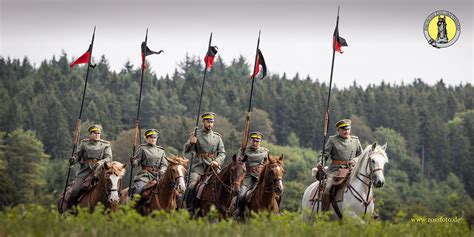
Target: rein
x: 272, y: 181
x: 226, y: 186
x: 368, y: 199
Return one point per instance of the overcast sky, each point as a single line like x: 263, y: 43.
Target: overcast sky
x: 385, y: 38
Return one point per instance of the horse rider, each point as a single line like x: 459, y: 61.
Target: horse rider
x: 341, y: 149
x: 151, y: 158
x: 208, y: 151
x: 92, y: 152
x: 256, y: 156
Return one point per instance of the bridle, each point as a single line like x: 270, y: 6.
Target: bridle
x: 108, y: 191
x: 174, y: 181
x: 232, y: 181
x: 173, y: 187
x: 226, y: 186
x: 273, y: 182
x: 370, y: 177
x: 369, y: 169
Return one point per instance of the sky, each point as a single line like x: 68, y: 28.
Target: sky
x: 385, y: 38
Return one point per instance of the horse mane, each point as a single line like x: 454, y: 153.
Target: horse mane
x: 269, y: 161
x: 362, y: 158
x: 226, y: 169
x: 262, y: 173
x: 177, y: 160
x: 116, y: 167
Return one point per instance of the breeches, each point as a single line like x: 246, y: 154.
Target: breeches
x: 138, y: 186
x: 76, y: 186
x: 246, y: 184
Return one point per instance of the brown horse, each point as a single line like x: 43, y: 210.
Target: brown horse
x: 221, y: 188
x: 163, y: 195
x: 269, y: 188
x: 108, y: 178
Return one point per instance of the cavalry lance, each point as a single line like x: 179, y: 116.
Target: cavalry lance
x: 258, y: 60
x: 145, y: 52
x: 320, y: 176
x: 208, y: 60
x: 78, y: 121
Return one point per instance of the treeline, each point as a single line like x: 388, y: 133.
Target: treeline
x: 429, y: 129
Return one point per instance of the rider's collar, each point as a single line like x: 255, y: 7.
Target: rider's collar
x: 339, y: 136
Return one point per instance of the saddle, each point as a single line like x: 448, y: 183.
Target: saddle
x: 89, y: 183
x: 203, y: 181
x: 147, y: 190
x: 250, y: 192
x: 341, y: 177
x: 338, y: 187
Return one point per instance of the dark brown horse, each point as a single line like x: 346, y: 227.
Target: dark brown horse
x: 269, y: 187
x: 108, y: 178
x: 221, y: 188
x: 163, y: 195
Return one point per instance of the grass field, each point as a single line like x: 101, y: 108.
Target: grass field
x: 32, y: 220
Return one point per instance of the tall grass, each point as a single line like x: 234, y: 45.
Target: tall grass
x: 33, y: 220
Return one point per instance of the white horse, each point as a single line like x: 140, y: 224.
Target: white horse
x: 358, y: 192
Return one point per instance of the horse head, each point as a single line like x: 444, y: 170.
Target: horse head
x: 176, y: 170
x: 273, y: 172
x: 238, y: 170
x: 111, y: 174
x: 376, y: 162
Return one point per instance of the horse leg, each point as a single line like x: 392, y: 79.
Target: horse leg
x: 205, y: 208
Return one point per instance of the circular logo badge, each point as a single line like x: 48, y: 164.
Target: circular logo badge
x: 441, y: 29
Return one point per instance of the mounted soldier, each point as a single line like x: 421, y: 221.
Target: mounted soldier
x: 256, y: 156
x: 92, y: 152
x: 341, y: 149
x: 152, y: 160
x: 207, y: 150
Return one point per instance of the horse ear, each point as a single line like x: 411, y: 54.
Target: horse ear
x: 384, y: 147
x: 245, y: 158
x: 234, y: 157
x: 281, y: 158
x: 106, y: 166
x: 374, y: 145
x: 123, y: 166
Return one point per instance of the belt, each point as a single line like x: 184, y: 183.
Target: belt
x: 151, y: 169
x: 340, y: 162
x: 254, y: 169
x: 91, y: 161
x: 206, y: 155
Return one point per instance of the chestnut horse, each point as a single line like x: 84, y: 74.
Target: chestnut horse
x: 164, y: 193
x: 266, y: 196
x: 221, y: 188
x: 108, y: 178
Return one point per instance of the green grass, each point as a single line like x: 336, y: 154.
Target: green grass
x: 32, y: 220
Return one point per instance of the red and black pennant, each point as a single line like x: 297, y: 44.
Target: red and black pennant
x: 146, y: 52
x: 210, y: 55
x: 260, y: 62
x: 338, y: 41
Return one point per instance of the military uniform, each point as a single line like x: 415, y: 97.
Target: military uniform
x: 153, y: 164
x: 341, y: 151
x: 89, y: 155
x: 208, y: 148
x: 254, y: 164
x: 255, y: 160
